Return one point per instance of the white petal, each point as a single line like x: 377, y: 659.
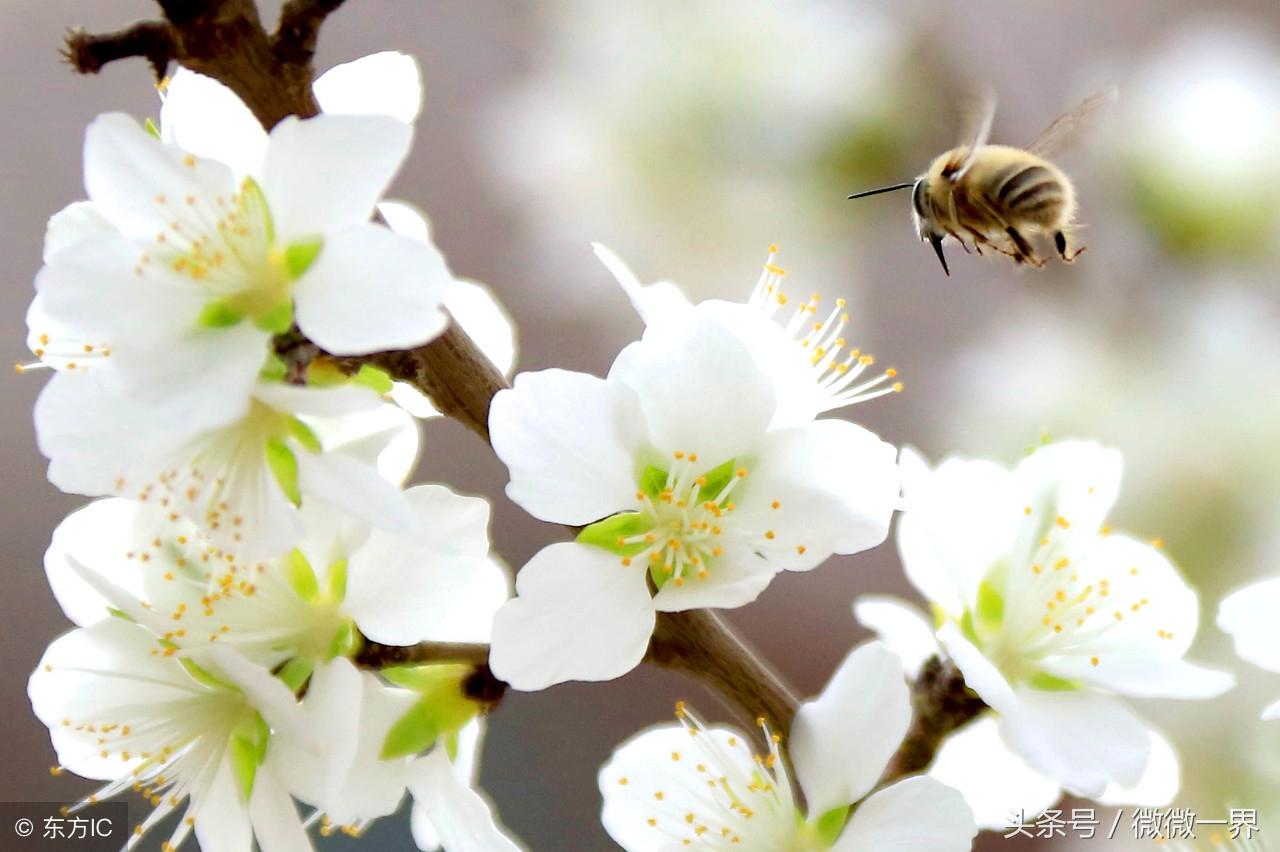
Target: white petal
x: 369, y: 290
x: 1159, y: 783
x: 386, y: 83
x: 662, y: 301
x: 568, y: 440
x: 126, y: 169
x: 354, y: 487
x: 579, y: 615
x: 900, y: 626
x: 736, y: 579
x: 460, y: 817
x: 202, y: 116
x: 699, y: 388
x: 821, y: 488
x: 71, y: 224
x: 222, y: 819
x: 1084, y: 740
x: 1271, y: 712
x: 994, y: 781
x: 438, y: 584
x: 97, y: 537
x: 959, y: 520
x: 1144, y: 676
x: 842, y: 740
x: 386, y: 438
x: 909, y: 816
x: 266, y: 692
x: 328, y: 171
x: 1248, y: 615
x: 485, y: 321
x: 980, y: 674
x: 276, y: 825
x: 406, y: 219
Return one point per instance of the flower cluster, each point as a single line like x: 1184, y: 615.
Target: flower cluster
x: 254, y: 536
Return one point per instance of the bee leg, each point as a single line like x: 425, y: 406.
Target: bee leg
x: 978, y: 241
x: 1025, y: 251
x: 1067, y: 254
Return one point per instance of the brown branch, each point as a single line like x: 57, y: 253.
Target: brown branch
x: 375, y: 655
x: 942, y: 704
x: 150, y: 40
x: 273, y: 74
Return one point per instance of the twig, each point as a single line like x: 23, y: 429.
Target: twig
x: 299, y: 28
x: 942, y: 704
x: 375, y: 655
x: 149, y: 39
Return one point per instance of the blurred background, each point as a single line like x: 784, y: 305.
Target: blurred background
x: 690, y: 134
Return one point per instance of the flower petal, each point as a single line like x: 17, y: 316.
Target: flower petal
x: 578, y: 616
x: 1248, y: 615
x: 994, y: 781
x: 980, y: 674
x: 890, y: 820
x: 461, y: 818
x: 699, y: 389
x: 222, y: 820
x: 736, y: 579
x: 1084, y: 740
x: 72, y: 223
x: 1160, y: 781
x: 370, y: 289
x: 276, y: 825
x: 201, y: 115
x: 328, y: 171
x: 959, y: 521
x: 438, y: 584
x: 568, y: 440
x: 662, y: 301
x: 900, y: 626
x: 867, y: 695
x: 385, y: 83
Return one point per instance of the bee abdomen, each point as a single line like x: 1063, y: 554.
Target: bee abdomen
x: 1029, y: 190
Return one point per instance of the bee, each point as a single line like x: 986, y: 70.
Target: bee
x: 997, y: 196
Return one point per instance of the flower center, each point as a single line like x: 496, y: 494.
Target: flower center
x: 681, y: 517
x: 837, y: 368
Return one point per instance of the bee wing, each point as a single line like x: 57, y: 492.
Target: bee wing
x: 1067, y: 125
x: 978, y: 117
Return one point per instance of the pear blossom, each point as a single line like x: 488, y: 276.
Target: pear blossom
x: 1049, y: 616
x: 690, y: 784
x: 243, y: 480
x: 690, y: 498
x: 800, y: 344
x: 125, y: 707
x: 994, y: 780
x: 1248, y: 615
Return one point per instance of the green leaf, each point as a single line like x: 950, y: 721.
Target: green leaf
x: 218, y: 314
x: 346, y: 640
x: 277, y: 319
x: 248, y: 750
x: 301, y: 577
x: 413, y: 733
x: 296, y: 672
x: 204, y: 676
x: 605, y: 534
x: 150, y: 126
x: 274, y: 369
x: 1051, y: 683
x: 830, y: 824
x: 284, y: 467
x: 653, y: 480
x: 717, y: 478
x: 304, y: 435
x: 435, y: 680
x: 372, y: 377
x: 298, y: 257
x: 337, y: 580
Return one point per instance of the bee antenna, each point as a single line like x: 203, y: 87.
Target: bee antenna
x: 937, y: 247
x: 894, y: 188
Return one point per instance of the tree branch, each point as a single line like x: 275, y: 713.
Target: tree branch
x: 942, y: 703
x: 150, y: 40
x: 299, y: 28
x: 375, y: 655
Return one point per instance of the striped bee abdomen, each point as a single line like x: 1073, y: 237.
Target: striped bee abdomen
x: 1028, y: 191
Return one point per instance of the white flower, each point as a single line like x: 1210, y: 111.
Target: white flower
x: 681, y: 785
x: 700, y: 497
x: 242, y: 479
x: 1050, y: 617
x: 1248, y: 615
x: 122, y: 706
x: 975, y: 760
x: 799, y: 344
x: 435, y: 583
